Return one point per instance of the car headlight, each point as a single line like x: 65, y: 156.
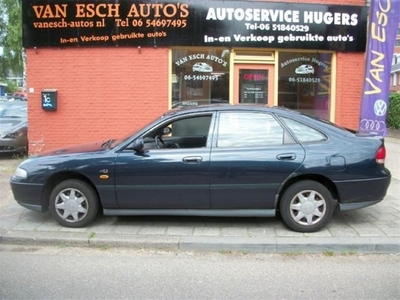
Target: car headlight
x: 14, y: 135
x: 21, y: 173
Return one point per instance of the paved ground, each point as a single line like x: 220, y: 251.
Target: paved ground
x: 374, y: 229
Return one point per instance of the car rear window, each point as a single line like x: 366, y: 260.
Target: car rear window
x: 304, y: 133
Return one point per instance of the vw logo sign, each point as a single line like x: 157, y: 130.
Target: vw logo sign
x: 380, y: 108
x: 372, y: 125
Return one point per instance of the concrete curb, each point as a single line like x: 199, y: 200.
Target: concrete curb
x: 293, y: 245
x: 205, y: 243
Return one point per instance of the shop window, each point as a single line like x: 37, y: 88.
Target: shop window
x: 200, y: 76
x: 305, y: 82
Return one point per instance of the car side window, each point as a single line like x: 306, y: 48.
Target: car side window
x: 304, y: 133
x: 196, y: 126
x: 247, y: 129
x: 188, y: 132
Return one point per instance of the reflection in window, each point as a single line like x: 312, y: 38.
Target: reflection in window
x: 200, y: 76
x: 304, y: 133
x: 305, y: 82
x: 248, y: 130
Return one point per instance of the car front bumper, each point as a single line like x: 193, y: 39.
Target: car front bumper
x: 29, y: 195
x: 12, y: 145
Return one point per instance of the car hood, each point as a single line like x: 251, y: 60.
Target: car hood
x: 76, y: 149
x: 10, y: 124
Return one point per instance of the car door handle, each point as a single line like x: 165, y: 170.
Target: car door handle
x: 286, y: 156
x: 192, y: 159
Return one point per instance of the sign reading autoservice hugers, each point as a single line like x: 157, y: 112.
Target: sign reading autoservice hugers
x: 65, y: 23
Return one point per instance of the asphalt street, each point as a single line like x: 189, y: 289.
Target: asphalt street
x: 374, y: 229
x: 53, y: 273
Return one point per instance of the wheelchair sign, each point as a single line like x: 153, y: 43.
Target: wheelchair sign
x: 49, y: 100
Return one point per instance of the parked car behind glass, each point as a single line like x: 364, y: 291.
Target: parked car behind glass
x: 218, y: 160
x: 13, y: 127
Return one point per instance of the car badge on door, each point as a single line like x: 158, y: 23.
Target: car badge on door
x: 104, y: 175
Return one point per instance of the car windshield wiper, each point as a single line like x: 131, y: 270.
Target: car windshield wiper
x: 107, y: 144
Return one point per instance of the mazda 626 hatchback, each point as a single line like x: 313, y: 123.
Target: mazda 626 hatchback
x: 221, y: 160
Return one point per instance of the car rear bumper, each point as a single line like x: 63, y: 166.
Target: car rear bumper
x: 357, y: 205
x: 357, y: 194
x: 29, y: 195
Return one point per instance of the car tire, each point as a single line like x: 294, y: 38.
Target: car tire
x: 306, y: 206
x: 74, y: 203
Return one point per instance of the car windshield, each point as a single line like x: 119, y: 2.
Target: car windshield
x: 13, y: 111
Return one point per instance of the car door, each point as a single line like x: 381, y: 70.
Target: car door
x: 168, y: 177
x: 251, y: 156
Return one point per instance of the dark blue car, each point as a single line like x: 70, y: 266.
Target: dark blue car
x: 217, y: 160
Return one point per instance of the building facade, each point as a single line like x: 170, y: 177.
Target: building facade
x: 99, y: 71
x: 395, y: 71
x: 395, y: 74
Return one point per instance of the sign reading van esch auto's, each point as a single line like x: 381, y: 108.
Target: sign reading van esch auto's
x: 66, y: 23
x: 383, y: 26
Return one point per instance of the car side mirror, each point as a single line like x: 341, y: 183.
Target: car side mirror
x: 138, y: 144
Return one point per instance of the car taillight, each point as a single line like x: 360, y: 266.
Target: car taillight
x: 380, y: 155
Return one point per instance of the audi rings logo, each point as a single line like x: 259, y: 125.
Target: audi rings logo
x: 380, y: 108
x: 375, y: 125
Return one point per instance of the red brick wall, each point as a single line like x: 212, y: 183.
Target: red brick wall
x: 349, y: 85
x: 102, y: 93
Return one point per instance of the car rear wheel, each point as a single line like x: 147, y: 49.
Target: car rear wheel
x: 306, y: 206
x: 74, y: 203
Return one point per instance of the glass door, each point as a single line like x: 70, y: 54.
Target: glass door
x: 254, y: 84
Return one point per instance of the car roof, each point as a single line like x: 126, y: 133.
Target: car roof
x: 230, y: 107
x: 283, y: 111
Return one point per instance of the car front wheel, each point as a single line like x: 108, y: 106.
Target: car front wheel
x: 74, y: 203
x: 306, y: 206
